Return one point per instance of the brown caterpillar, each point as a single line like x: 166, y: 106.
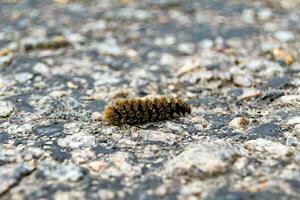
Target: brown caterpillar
x: 139, y: 111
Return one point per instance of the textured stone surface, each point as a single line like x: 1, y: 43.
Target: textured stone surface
x: 203, y: 160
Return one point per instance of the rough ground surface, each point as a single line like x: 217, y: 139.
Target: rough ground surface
x: 235, y: 62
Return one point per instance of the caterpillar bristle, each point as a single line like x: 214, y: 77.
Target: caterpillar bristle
x: 140, y: 111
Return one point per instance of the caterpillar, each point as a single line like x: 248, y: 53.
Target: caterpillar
x: 140, y: 111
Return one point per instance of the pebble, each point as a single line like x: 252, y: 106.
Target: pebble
x: 284, y: 36
x: 5, y: 60
x: 117, y: 165
x: 297, y: 131
x: 33, y: 153
x: 277, y: 82
x: 167, y: 59
x: 264, y: 14
x: 57, y: 94
x: 186, y: 48
x: 158, y: 136
x: 285, y: 55
x: 96, y: 116
x: 134, y: 14
x: 256, y: 64
x: 5, y: 51
x: 297, y: 157
x: 80, y: 156
x: 23, y: 77
x: 269, y: 129
x: 293, y: 121
x: 276, y: 150
x: 193, y: 188
x: 99, y: 166
x: 249, y: 93
x: 109, y: 47
x: 248, y: 15
x: 243, y: 80
x: 77, y: 141
x: 106, y: 194
x: 76, y: 38
x: 290, y: 100
x: 61, y: 172
x: 48, y: 130
x: 239, y: 123
x: 42, y: 69
x: 206, y: 44
x: 213, y: 158
x: 6, y: 109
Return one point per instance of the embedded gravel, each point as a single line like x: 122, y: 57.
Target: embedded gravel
x: 235, y: 62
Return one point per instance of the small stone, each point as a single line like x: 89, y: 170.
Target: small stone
x: 277, y: 150
x: 291, y: 100
x: 243, y: 80
x: 76, y: 38
x: 58, y: 94
x: 287, y: 56
x: 256, y: 64
x: 239, y: 123
x: 42, y: 69
x: 186, y: 48
x: 106, y: 194
x: 23, y: 77
x: 264, y: 14
x: 270, y: 129
x: 78, y: 140
x: 5, y: 51
x: 267, y: 46
x: 211, y: 160
x: 193, y: 188
x: 33, y: 153
x: 206, y: 44
x: 109, y: 47
x: 289, y: 4
x: 293, y: 121
x: 134, y: 14
x: 49, y: 129
x: 248, y: 15
x: 61, y: 172
x: 167, y: 59
x: 297, y: 131
x: 99, y: 166
x: 162, y: 190
x: 80, y: 156
x: 6, y: 109
x: 120, y: 166
x: 72, y: 85
x: 297, y: 157
x: 158, y: 136
x: 277, y: 82
x: 249, y: 93
x: 96, y: 116
x: 5, y: 60
x: 284, y: 36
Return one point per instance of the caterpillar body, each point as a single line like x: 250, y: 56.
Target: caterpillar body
x: 139, y: 111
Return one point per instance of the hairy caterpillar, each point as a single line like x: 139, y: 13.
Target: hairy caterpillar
x: 139, y: 111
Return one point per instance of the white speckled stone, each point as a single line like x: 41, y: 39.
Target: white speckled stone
x: 6, y: 108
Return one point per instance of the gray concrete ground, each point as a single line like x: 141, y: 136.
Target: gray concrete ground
x: 236, y: 62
